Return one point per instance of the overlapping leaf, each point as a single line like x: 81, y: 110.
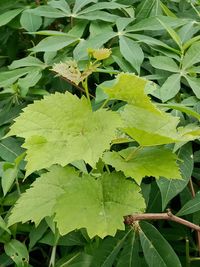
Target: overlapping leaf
x: 143, y: 121
x: 62, y: 128
x: 148, y: 161
x: 77, y: 202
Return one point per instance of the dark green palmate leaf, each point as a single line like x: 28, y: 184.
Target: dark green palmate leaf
x: 80, y: 202
x: 62, y: 128
x: 156, y: 249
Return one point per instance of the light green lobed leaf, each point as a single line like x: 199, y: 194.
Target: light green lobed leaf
x: 79, y: 202
x: 147, y: 161
x: 62, y: 128
x: 148, y: 128
x: 143, y: 121
x: 131, y: 88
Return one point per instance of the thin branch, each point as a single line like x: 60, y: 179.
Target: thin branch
x: 73, y: 84
x: 160, y: 216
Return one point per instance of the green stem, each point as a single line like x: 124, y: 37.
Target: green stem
x: 104, y: 103
x: 53, y: 257
x: 195, y: 259
x: 187, y: 253
x: 195, y: 9
x: 85, y: 86
x: 17, y: 185
x: 107, y: 71
x: 107, y: 168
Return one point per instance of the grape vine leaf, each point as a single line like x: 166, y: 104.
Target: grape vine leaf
x: 143, y: 121
x: 147, y: 161
x: 79, y: 202
x: 130, y: 88
x: 148, y: 128
x: 62, y: 128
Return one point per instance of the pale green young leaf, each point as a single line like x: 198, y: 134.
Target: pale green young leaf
x: 191, y: 206
x: 194, y: 83
x: 62, y: 128
x: 170, y: 87
x: 70, y: 197
x: 164, y: 63
x: 156, y: 249
x: 149, y: 128
x: 30, y: 22
x: 54, y: 43
x: 192, y: 56
x: 147, y: 161
x: 110, y: 196
x: 171, y: 188
x: 131, y: 51
x: 6, y: 17
x: 130, y: 88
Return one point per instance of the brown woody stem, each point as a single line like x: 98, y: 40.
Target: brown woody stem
x: 160, y: 216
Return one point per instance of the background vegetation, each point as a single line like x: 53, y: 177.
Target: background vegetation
x: 157, y: 40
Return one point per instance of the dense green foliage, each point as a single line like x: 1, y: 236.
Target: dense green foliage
x: 99, y: 119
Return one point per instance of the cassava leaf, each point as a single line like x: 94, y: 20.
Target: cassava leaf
x: 129, y: 255
x: 170, y: 87
x: 191, y: 206
x: 70, y: 197
x: 132, y: 52
x: 148, y: 161
x: 156, y: 249
x: 191, y: 56
x: 62, y: 128
x: 171, y: 188
x: 164, y: 63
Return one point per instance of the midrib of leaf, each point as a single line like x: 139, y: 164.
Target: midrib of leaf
x: 8, y: 149
x: 131, y: 249
x: 70, y: 260
x: 152, y: 246
x: 106, y: 261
